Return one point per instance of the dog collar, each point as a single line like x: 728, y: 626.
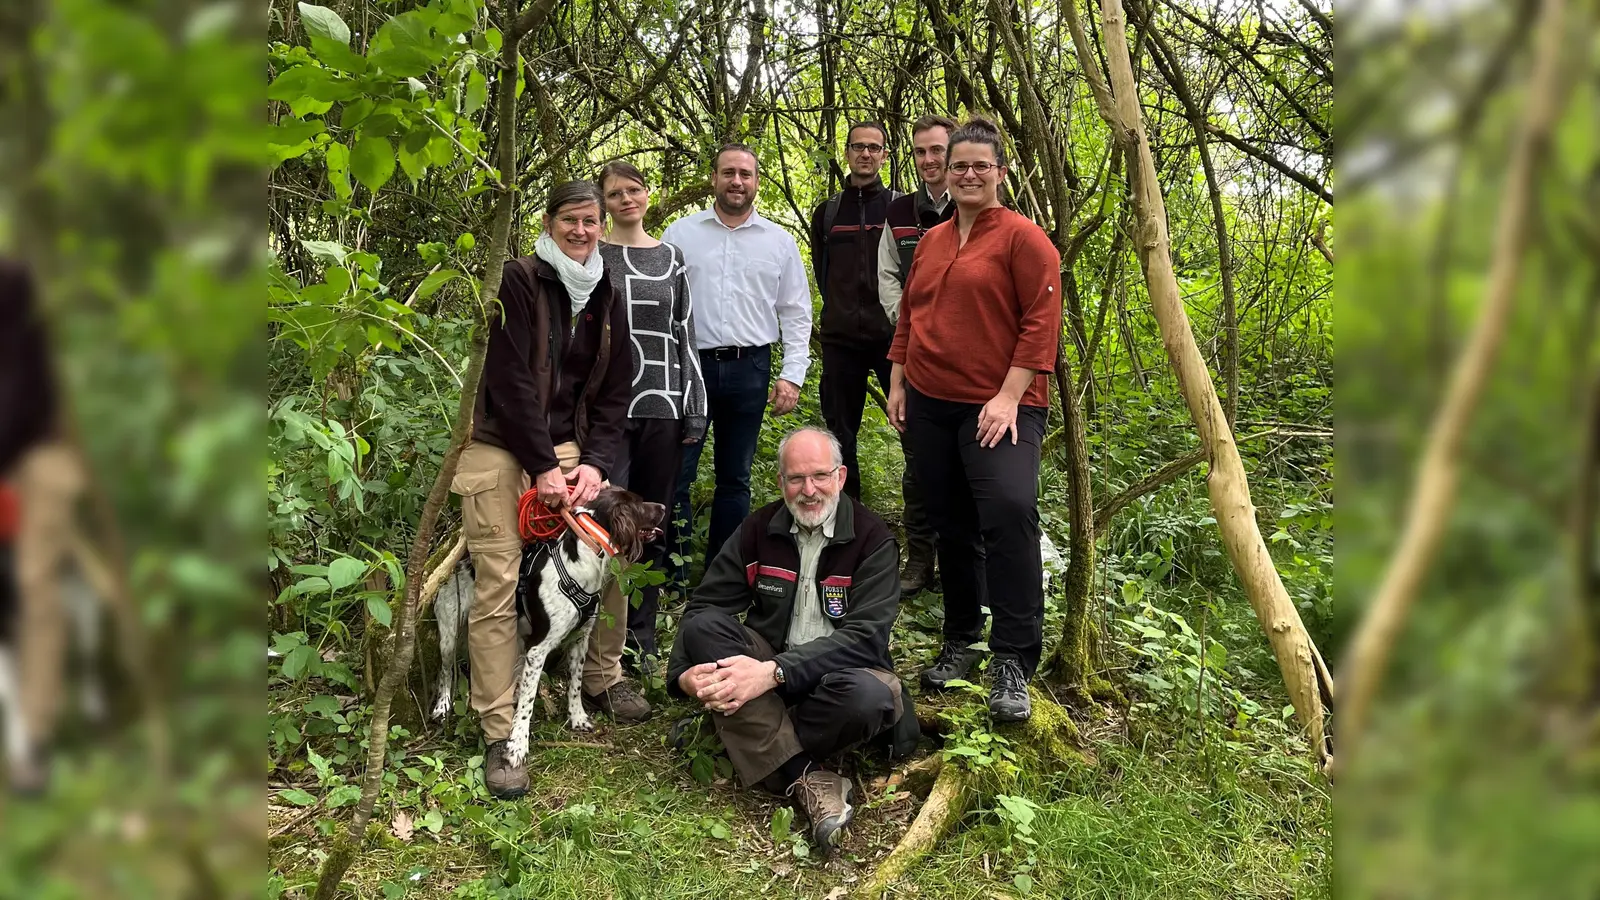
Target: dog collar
x: 589, y: 531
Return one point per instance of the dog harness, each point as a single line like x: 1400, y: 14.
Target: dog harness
x: 534, y: 556
x: 541, y: 528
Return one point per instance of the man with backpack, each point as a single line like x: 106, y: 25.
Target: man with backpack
x: 855, y: 332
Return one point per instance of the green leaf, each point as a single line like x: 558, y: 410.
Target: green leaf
x: 355, y: 112
x: 344, y: 795
x: 379, y: 608
x: 433, y: 821
x: 1023, y: 881
x: 338, y: 55
x: 477, y: 93
x: 782, y: 818
x: 329, y: 252
x: 310, y: 586
x: 339, y: 170
x: 719, y: 830
x: 298, y: 660
x: 435, y: 281
x: 296, y: 796
x: 415, y: 165
x: 404, y: 46
x: 322, y: 705
x: 321, y: 21
x: 466, y: 241
x: 372, y: 162
x: 291, y: 138
x: 345, y: 571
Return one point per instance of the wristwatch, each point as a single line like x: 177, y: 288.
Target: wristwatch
x: 777, y: 673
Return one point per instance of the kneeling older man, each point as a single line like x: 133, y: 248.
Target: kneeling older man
x: 807, y: 674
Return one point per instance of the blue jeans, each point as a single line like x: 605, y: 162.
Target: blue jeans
x: 736, y: 390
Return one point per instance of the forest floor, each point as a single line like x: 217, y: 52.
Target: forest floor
x: 631, y: 818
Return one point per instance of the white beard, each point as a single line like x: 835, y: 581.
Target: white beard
x: 813, y: 519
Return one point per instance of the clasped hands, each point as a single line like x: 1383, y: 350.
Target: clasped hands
x: 577, y: 487
x: 726, y: 685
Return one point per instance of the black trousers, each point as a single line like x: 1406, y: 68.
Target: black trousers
x: 648, y: 465
x: 920, y: 536
x: 988, y: 498
x: 846, y: 708
x: 844, y: 398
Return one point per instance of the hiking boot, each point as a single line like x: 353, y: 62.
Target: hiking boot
x: 917, y: 574
x: 955, y: 661
x: 622, y: 701
x: 825, y: 798
x: 1008, y: 692
x: 504, y: 781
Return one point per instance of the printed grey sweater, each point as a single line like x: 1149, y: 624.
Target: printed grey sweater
x: 654, y: 287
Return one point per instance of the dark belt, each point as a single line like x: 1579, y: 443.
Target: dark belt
x: 723, y: 354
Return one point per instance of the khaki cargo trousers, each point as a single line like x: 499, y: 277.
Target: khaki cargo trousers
x: 48, y: 479
x: 490, y: 481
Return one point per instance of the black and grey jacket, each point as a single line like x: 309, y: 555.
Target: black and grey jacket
x: 858, y: 585
x: 654, y: 286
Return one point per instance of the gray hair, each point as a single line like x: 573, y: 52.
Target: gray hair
x: 833, y: 444
x: 571, y: 192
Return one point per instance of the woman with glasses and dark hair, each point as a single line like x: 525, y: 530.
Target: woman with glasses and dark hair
x: 551, y: 409
x: 668, y: 408
x: 973, y: 348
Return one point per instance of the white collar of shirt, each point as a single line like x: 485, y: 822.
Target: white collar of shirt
x: 710, y: 215
x: 939, y: 201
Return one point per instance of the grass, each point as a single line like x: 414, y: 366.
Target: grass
x: 628, y: 821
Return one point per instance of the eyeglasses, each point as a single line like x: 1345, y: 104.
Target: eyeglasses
x: 982, y: 168
x: 574, y: 222
x: 632, y: 193
x: 859, y: 147
x: 799, y: 481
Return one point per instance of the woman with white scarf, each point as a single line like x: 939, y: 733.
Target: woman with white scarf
x: 551, y: 411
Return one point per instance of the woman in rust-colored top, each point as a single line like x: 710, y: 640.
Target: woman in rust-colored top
x: 977, y: 337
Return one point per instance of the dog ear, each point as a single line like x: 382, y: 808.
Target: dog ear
x: 625, y: 531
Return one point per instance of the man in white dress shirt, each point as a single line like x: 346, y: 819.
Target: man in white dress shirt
x: 749, y: 288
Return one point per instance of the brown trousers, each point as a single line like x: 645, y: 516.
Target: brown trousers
x: 490, y: 481
x: 848, y: 706
x: 48, y: 481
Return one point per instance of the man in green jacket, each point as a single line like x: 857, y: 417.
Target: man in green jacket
x: 807, y: 674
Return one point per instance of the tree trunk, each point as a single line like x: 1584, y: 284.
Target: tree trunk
x: 1228, y: 486
x: 1433, y: 497
x: 405, y: 630
x: 1071, y: 658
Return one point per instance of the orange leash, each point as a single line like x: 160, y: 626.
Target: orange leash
x: 536, y: 522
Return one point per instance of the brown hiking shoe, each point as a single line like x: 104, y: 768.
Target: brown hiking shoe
x: 825, y: 797
x: 622, y: 701
x: 504, y: 781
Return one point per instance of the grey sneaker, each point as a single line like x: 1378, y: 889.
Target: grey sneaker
x: 622, y: 701
x: 956, y: 660
x: 825, y: 798
x: 504, y: 781
x: 1008, y: 694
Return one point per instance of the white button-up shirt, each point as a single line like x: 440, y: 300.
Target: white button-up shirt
x: 748, y: 284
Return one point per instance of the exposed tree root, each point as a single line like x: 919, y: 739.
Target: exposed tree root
x: 1048, y: 741
x: 945, y: 805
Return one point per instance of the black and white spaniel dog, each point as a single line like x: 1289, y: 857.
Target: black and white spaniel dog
x: 558, y: 593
